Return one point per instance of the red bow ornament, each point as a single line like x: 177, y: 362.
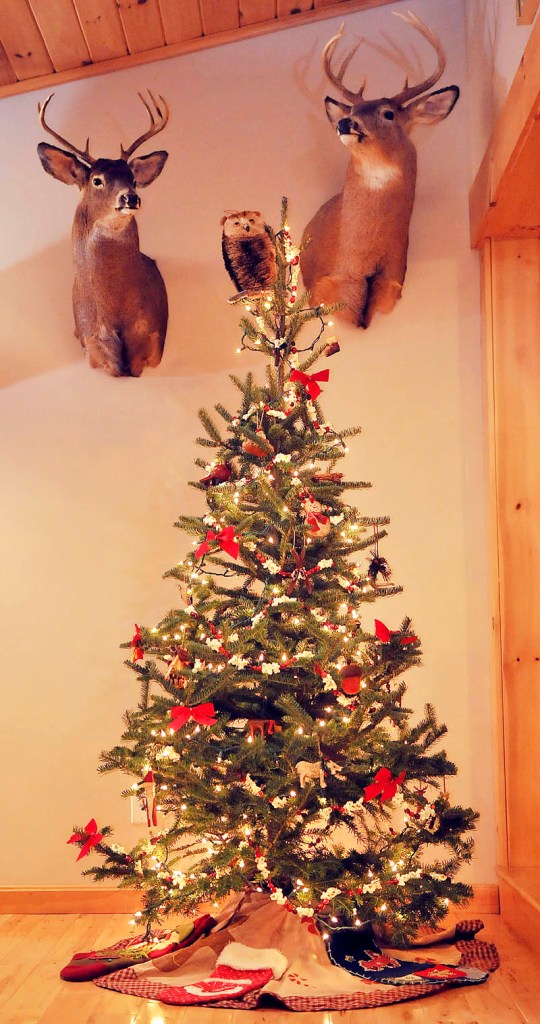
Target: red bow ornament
x: 138, y: 650
x: 300, y: 574
x: 309, y: 380
x: 383, y: 633
x: 91, y: 836
x: 384, y: 786
x: 203, y: 714
x: 226, y: 540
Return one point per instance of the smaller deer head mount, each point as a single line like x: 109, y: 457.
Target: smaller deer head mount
x: 119, y: 297
x: 359, y: 238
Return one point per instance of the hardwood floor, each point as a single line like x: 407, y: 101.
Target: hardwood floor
x: 33, y: 949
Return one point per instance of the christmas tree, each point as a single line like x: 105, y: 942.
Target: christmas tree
x: 271, y: 744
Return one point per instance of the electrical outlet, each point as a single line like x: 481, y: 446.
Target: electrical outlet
x: 138, y: 814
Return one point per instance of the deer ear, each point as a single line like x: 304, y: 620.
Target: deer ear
x: 147, y: 168
x: 335, y: 110
x: 62, y: 165
x: 434, y: 107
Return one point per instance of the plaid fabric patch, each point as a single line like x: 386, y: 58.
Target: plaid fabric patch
x: 479, y: 954
x: 131, y: 984
x: 473, y: 926
x: 483, y: 955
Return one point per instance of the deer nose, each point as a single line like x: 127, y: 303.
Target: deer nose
x: 344, y: 126
x: 129, y: 201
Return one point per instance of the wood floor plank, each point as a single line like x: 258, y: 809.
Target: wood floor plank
x: 15, y: 935
x: 521, y: 983
x: 31, y: 999
x: 11, y: 979
x: 494, y: 1002
x: 70, y: 1004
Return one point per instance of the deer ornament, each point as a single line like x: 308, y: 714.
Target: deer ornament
x: 119, y: 297
x: 357, y: 252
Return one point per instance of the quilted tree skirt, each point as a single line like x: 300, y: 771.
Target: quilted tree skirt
x: 287, y: 965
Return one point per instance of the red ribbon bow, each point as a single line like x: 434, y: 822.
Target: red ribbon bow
x: 90, y: 834
x: 384, y: 786
x: 138, y: 651
x: 225, y: 539
x: 309, y: 380
x: 383, y: 633
x: 300, y: 574
x: 203, y: 714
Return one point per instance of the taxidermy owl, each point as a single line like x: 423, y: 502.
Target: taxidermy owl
x: 248, y: 250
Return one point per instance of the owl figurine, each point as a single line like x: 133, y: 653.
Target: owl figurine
x: 248, y: 251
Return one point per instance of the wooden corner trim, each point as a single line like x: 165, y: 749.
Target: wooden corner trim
x: 514, y: 143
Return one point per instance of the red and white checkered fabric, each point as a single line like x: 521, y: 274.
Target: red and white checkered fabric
x: 370, y: 994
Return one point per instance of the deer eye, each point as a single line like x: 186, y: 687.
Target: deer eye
x: 389, y: 115
x: 97, y: 182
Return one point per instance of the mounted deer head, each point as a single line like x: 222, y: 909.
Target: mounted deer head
x: 119, y: 297
x: 358, y: 239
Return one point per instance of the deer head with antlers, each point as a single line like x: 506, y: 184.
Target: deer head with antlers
x: 119, y: 297
x: 358, y: 240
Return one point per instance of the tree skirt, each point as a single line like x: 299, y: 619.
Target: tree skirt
x: 310, y: 981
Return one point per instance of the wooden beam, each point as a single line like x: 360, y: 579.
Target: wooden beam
x: 520, y: 904
x: 102, y: 29
x: 180, y: 20
x: 515, y: 289
x: 32, y: 61
x: 48, y: 81
x: 142, y: 25
x: 505, y: 199
x: 62, y: 33
x: 488, y: 367
x: 253, y: 11
x: 219, y: 15
x: 287, y: 7
x: 526, y: 11
x: 7, y: 73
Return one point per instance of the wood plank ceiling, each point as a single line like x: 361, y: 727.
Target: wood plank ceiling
x: 46, y: 42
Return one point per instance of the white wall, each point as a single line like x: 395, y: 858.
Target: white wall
x: 95, y: 469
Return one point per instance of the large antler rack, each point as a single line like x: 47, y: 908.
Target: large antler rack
x: 83, y: 155
x: 158, y: 120
x: 410, y: 91
x: 336, y: 77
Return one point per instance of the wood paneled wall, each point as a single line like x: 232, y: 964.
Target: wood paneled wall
x: 46, y: 42
x: 505, y: 226
x: 513, y: 270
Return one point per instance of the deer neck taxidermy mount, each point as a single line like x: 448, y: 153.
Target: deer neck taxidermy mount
x: 357, y: 252
x: 119, y: 297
